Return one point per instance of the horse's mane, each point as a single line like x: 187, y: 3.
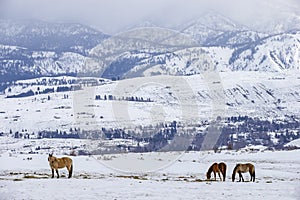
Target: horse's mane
x: 211, y: 168
x: 235, y: 168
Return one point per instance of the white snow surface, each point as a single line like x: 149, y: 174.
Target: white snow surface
x: 181, y: 176
x: 188, y: 99
x: 294, y: 143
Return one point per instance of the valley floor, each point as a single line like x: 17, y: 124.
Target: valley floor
x: 170, y: 175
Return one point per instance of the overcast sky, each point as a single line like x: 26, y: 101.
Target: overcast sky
x: 112, y: 15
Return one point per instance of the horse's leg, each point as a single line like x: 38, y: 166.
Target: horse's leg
x: 252, y: 176
x: 215, y: 175
x: 57, y: 173
x: 224, y: 174
x: 240, y: 177
x: 219, y: 175
x: 52, y: 173
x: 70, y: 169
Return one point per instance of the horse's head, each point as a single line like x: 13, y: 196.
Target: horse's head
x: 208, y: 175
x: 50, y: 157
x: 234, y: 172
x: 233, y: 176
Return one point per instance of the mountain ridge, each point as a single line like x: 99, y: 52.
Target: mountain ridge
x: 50, y: 49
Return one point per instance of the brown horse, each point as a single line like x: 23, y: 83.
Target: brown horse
x: 243, y: 168
x: 217, y: 168
x: 57, y: 163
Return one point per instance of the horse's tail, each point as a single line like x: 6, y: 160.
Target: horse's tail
x: 71, y: 171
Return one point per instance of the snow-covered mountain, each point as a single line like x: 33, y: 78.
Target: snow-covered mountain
x: 44, y: 36
x: 209, y: 26
x: 278, y: 24
x: 274, y: 53
x: 34, y: 49
x: 235, y: 39
x: 141, y: 24
x: 20, y: 63
x: 210, y: 42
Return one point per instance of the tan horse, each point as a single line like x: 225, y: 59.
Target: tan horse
x: 217, y: 168
x: 58, y: 163
x: 243, y: 168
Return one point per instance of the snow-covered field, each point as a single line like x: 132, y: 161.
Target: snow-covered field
x: 169, y: 175
x: 187, y: 99
x: 294, y: 143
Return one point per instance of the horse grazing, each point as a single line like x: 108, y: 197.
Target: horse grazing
x: 57, y: 163
x: 217, y: 168
x: 243, y: 168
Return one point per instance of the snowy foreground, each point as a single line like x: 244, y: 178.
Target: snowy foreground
x: 171, y: 175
